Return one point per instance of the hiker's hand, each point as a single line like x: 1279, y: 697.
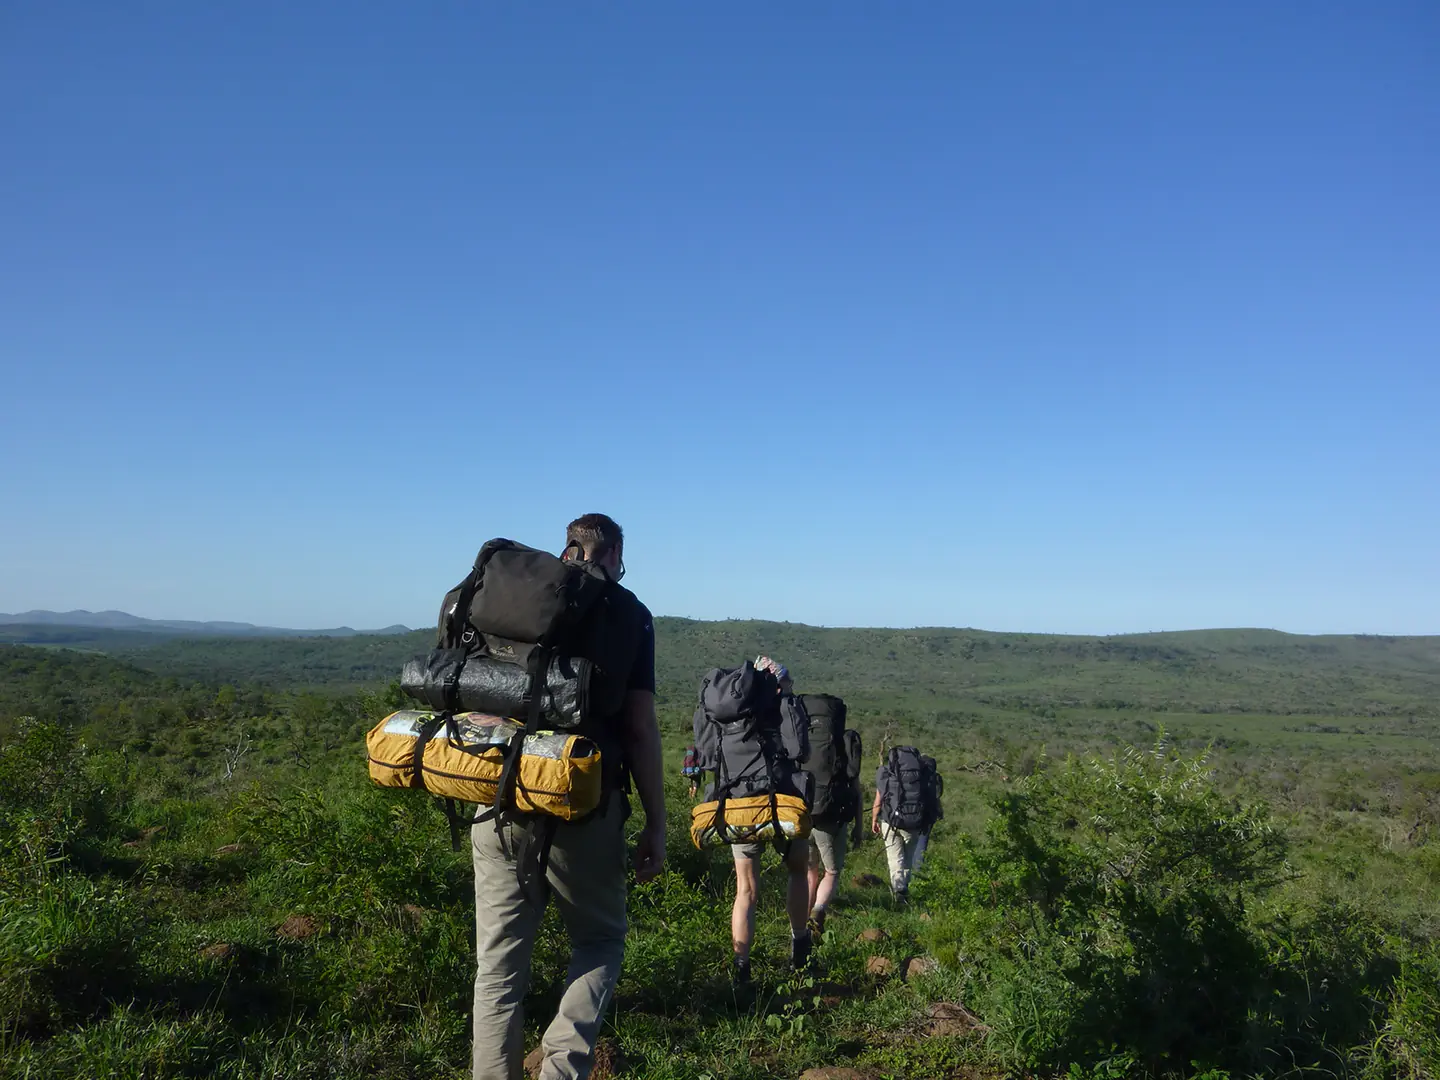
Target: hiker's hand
x: 650, y: 852
x: 875, y: 825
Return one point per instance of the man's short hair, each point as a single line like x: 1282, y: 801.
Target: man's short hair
x: 595, y: 534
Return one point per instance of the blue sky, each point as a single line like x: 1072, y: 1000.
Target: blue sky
x: 1036, y: 316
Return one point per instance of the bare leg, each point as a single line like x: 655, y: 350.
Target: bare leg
x: 829, y: 885
x: 815, y: 875
x: 742, y: 915
x: 797, y: 894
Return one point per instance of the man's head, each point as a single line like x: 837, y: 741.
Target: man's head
x: 596, y: 538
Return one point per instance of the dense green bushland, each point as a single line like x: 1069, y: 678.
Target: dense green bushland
x: 197, y: 880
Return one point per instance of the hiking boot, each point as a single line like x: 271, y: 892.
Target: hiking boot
x: 800, y: 951
x: 817, y: 922
x: 902, y: 897
x: 741, y: 975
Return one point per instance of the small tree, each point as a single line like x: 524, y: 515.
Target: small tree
x: 1114, y: 893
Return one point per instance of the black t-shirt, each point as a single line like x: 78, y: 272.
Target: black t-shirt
x: 642, y: 672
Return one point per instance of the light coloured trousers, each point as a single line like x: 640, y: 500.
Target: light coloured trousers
x: 904, y: 851
x: 587, y: 881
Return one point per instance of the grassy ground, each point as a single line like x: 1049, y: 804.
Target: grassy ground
x: 1088, y: 909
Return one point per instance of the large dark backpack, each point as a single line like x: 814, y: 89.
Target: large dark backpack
x: 542, y: 640
x: 529, y: 636
x: 749, y: 735
x: 909, y: 790
x: 834, y: 762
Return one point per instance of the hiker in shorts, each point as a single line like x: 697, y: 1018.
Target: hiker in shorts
x: 751, y: 768
x: 835, y: 805
x: 586, y: 868
x: 908, y: 790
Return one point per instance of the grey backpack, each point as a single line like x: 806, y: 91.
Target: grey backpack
x: 910, y: 790
x: 750, y: 736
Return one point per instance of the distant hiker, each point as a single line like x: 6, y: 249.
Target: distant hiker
x: 834, y: 762
x: 752, y: 735
x: 908, y: 788
x: 691, y: 769
x: 586, y: 867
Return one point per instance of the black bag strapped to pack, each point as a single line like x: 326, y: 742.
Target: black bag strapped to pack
x: 835, y: 760
x: 545, y: 641
x: 753, y: 738
x: 910, y: 790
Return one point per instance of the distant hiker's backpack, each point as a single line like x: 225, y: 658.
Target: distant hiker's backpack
x: 690, y: 767
x: 754, y: 739
x: 834, y: 762
x: 910, y: 790
x: 539, y: 640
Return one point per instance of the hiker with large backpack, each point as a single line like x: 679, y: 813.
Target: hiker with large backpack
x: 752, y: 736
x: 691, y: 770
x: 547, y: 644
x: 835, y: 809
x: 908, y: 790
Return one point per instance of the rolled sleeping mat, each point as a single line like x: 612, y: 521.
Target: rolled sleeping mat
x: 558, y: 773
x: 749, y: 820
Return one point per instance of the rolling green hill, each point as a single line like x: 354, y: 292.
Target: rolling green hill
x: 1202, y: 671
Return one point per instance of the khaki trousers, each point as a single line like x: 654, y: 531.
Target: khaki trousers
x: 587, y: 881
x: 904, y: 852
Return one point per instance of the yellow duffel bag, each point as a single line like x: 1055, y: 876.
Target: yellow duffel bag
x: 558, y: 774
x: 750, y: 820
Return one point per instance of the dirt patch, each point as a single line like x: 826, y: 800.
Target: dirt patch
x: 836, y: 1072
x: 867, y: 881
x: 298, y: 928
x: 873, y: 935
x: 219, y: 951
x: 947, y: 1018
x: 609, y: 1061
x: 414, y: 915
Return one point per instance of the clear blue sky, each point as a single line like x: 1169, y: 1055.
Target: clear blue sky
x: 1034, y: 316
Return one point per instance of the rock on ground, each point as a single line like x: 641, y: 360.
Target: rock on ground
x: 880, y: 965
x: 919, y: 966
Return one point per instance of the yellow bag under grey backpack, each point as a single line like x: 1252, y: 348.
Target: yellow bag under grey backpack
x: 752, y: 820
x: 462, y: 757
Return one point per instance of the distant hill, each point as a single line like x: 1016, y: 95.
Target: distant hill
x: 121, y: 620
x: 920, y: 671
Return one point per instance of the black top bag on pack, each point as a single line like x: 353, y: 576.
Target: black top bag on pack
x: 527, y: 635
x: 910, y: 790
x: 834, y: 762
x: 539, y: 639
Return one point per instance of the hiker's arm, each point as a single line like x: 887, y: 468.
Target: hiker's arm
x: 642, y: 754
x: 875, y: 813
